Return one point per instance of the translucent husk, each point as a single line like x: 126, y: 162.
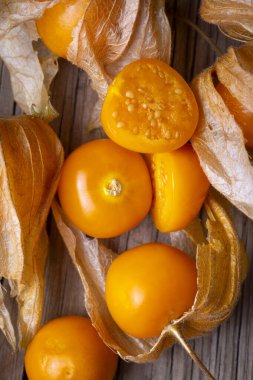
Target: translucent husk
x: 131, y: 30
x: 110, y: 37
x: 31, y: 69
x: 30, y: 161
x: 218, y: 140
x: 5, y: 322
x: 235, y: 18
x: 221, y: 270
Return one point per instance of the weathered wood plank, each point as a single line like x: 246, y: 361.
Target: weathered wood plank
x: 11, y: 364
x: 6, y: 97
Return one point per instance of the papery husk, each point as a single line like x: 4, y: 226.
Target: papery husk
x: 5, y: 322
x: 16, y: 12
x: 218, y: 140
x: 110, y: 37
x: 31, y: 157
x: 29, y: 79
x: 235, y: 18
x: 220, y: 275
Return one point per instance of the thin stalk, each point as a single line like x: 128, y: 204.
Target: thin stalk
x: 174, y: 331
x: 203, y: 34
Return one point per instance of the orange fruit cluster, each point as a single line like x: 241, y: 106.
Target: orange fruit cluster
x: 107, y: 188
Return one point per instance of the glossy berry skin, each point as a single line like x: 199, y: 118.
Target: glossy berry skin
x: 56, y: 25
x: 149, y: 286
x: 104, y: 189
x: 69, y: 348
x: 149, y: 108
x: 180, y: 188
x: 243, y: 117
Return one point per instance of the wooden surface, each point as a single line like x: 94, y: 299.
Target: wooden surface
x: 228, y: 351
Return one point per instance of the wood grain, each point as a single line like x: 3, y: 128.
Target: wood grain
x: 227, y: 352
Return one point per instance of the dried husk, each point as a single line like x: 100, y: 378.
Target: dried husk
x: 111, y: 36
x: 218, y: 140
x: 30, y: 78
x: 5, y: 322
x: 235, y: 18
x: 30, y: 161
x: 219, y: 260
x: 16, y: 12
